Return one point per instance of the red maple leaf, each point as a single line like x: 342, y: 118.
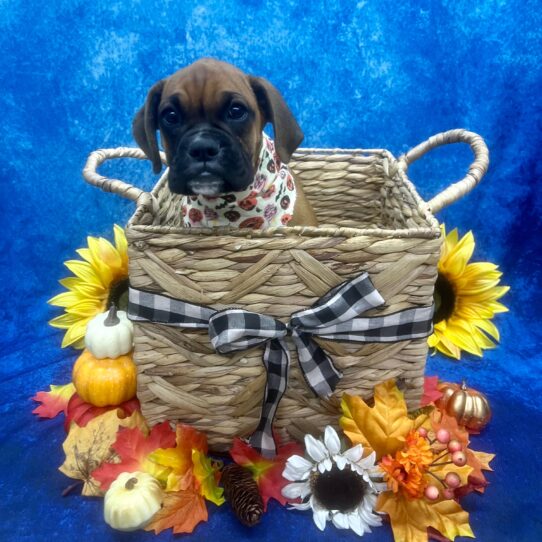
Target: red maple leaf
x: 53, y: 402
x: 430, y: 391
x: 80, y: 412
x: 266, y: 472
x: 133, y: 448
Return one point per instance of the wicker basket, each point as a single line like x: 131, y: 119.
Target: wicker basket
x: 372, y: 219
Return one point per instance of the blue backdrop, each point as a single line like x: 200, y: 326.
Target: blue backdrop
x: 372, y: 74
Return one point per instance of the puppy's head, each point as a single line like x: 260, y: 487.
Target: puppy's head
x: 210, y: 116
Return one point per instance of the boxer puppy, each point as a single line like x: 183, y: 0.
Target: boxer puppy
x: 210, y: 116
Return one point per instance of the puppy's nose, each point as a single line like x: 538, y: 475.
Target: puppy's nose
x: 203, y: 149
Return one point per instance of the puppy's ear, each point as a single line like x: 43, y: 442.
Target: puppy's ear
x: 288, y: 134
x: 145, y: 125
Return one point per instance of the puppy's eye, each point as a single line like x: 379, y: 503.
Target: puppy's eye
x: 170, y: 117
x: 237, y: 112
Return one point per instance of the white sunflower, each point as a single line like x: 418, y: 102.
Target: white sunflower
x: 341, y: 487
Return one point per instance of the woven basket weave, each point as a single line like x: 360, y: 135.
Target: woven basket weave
x: 371, y: 219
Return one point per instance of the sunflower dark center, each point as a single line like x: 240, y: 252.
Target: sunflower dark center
x: 118, y: 295
x: 444, y: 299
x: 336, y: 489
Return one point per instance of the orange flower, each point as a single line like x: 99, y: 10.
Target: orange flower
x: 406, y: 470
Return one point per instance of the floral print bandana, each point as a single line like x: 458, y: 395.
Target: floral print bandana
x: 267, y: 203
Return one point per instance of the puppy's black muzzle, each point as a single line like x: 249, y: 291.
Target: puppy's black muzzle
x: 210, y: 162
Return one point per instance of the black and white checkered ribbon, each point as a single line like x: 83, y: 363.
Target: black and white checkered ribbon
x: 335, y: 316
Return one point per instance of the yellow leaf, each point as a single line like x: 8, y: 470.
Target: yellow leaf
x: 177, y: 462
x: 410, y: 518
x: 156, y: 471
x: 440, y: 471
x: 206, y: 474
x: 484, y: 459
x: 382, y: 428
x: 171, y: 458
x: 86, y: 448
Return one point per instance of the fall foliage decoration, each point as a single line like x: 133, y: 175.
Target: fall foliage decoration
x: 186, y: 467
x: 132, y: 449
x: 182, y: 511
x: 468, y: 406
x: 88, y: 447
x: 425, y: 460
x: 479, y: 461
x: 431, y: 391
x: 106, y: 381
x: 54, y: 401
x: 242, y: 492
x: 132, y: 500
x: 266, y: 472
x: 413, y: 467
x: 80, y: 412
x: 110, y: 334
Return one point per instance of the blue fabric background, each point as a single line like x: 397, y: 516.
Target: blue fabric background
x: 372, y: 74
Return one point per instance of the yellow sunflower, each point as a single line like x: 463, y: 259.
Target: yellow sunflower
x: 101, y: 278
x: 466, y: 299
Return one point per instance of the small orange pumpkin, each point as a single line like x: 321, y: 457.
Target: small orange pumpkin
x: 106, y: 381
x: 468, y: 406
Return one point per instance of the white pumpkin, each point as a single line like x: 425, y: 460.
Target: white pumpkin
x: 132, y: 500
x: 110, y: 334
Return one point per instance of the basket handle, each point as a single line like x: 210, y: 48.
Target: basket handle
x: 476, y: 171
x: 121, y: 188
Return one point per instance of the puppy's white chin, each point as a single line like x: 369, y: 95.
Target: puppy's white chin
x: 206, y: 187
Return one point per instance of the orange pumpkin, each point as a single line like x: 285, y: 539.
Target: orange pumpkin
x: 106, y: 381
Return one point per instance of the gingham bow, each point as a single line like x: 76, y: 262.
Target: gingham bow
x: 335, y: 316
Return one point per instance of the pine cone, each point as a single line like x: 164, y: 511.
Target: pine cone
x: 242, y: 492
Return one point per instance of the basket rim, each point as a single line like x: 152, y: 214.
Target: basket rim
x: 431, y: 232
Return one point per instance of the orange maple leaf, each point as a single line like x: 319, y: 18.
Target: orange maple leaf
x: 54, y: 401
x: 182, y: 511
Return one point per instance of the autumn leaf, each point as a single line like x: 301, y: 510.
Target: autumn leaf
x: 410, y: 518
x: 178, y: 460
x: 80, y: 412
x: 53, y: 402
x: 207, y: 475
x: 182, y: 511
x: 132, y: 448
x: 433, y: 534
x: 266, y: 472
x: 86, y: 448
x: 445, y: 466
x: 382, y: 428
x: 431, y: 393
x: 478, y: 461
